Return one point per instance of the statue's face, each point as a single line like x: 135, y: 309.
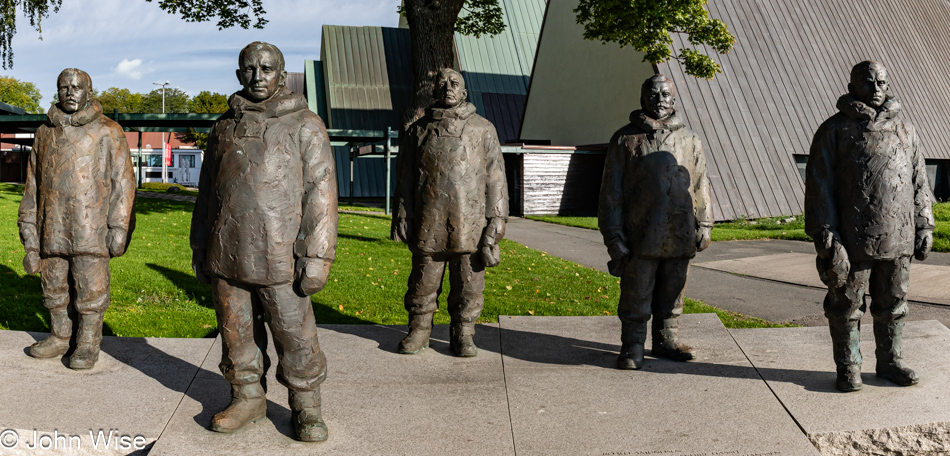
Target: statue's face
x: 871, y: 86
x: 450, y: 89
x: 73, y: 94
x: 658, y: 100
x: 260, y: 74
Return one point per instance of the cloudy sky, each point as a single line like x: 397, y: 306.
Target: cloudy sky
x: 132, y: 43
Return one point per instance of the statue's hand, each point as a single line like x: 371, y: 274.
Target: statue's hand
x: 824, y: 244
x: 310, y: 275
x: 31, y: 262
x: 491, y: 255
x: 198, y: 266
x: 835, y: 269
x: 703, y: 238
x: 116, y: 241
x: 400, y: 230
x: 923, y: 244
x: 618, y: 249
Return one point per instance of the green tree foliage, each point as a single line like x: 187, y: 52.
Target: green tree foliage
x: 176, y: 101
x: 21, y: 94
x: 122, y: 100
x: 647, y: 26
x: 207, y: 103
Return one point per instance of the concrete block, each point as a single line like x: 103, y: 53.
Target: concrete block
x: 375, y: 401
x: 567, y: 399
x: 882, y: 418
x: 133, y: 391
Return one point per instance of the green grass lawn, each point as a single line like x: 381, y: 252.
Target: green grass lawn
x: 155, y: 294
x: 784, y: 227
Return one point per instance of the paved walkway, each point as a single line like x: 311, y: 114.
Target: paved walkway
x: 770, y: 279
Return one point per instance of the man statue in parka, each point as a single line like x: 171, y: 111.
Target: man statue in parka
x: 264, y: 236
x: 76, y: 213
x: 451, y: 207
x: 655, y: 214
x: 868, y: 209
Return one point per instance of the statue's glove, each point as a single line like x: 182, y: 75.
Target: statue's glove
x: 703, y: 237
x: 832, y: 261
x: 117, y: 241
x: 401, y: 229
x: 488, y: 246
x: 618, y: 251
x: 923, y: 242
x: 32, y: 262
x: 198, y: 266
x: 310, y: 275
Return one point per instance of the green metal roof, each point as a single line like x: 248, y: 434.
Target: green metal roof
x: 367, y: 75
x: 497, y: 69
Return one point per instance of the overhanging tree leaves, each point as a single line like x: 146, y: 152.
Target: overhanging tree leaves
x: 647, y: 26
x: 229, y: 13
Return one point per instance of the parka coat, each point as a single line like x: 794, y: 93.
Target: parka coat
x: 655, y: 192
x: 450, y: 181
x: 79, y: 185
x: 866, y: 182
x: 267, y: 193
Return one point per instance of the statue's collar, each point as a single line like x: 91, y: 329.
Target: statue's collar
x: 641, y: 120
x: 87, y: 114
x: 281, y: 103
x: 463, y: 111
x: 856, y: 109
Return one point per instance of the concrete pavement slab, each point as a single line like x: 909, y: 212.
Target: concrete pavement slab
x: 882, y: 418
x: 132, y: 391
x: 566, y: 397
x: 375, y: 401
x: 928, y: 283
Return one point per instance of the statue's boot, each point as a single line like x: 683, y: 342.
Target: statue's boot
x: 248, y: 405
x: 890, y: 364
x: 462, y: 339
x: 633, y: 335
x: 845, y: 344
x: 60, y: 330
x: 420, y: 327
x: 88, y: 338
x: 307, y: 417
x: 665, y: 345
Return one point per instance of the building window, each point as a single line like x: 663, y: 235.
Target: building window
x: 186, y: 161
x: 153, y: 160
x: 801, y: 161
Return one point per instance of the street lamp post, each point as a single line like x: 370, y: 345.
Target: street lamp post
x: 164, y: 163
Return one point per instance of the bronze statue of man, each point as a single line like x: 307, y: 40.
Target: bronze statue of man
x: 868, y: 209
x: 76, y: 213
x: 264, y: 236
x: 451, y: 207
x: 655, y: 214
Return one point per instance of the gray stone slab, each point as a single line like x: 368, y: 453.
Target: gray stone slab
x: 133, y: 390
x: 798, y: 365
x: 566, y: 398
x: 375, y: 401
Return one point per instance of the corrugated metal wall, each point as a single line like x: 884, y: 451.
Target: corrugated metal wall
x: 791, y: 62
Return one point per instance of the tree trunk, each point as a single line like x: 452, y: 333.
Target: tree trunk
x: 432, y: 39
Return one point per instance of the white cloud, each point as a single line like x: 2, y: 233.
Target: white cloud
x: 131, y: 69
